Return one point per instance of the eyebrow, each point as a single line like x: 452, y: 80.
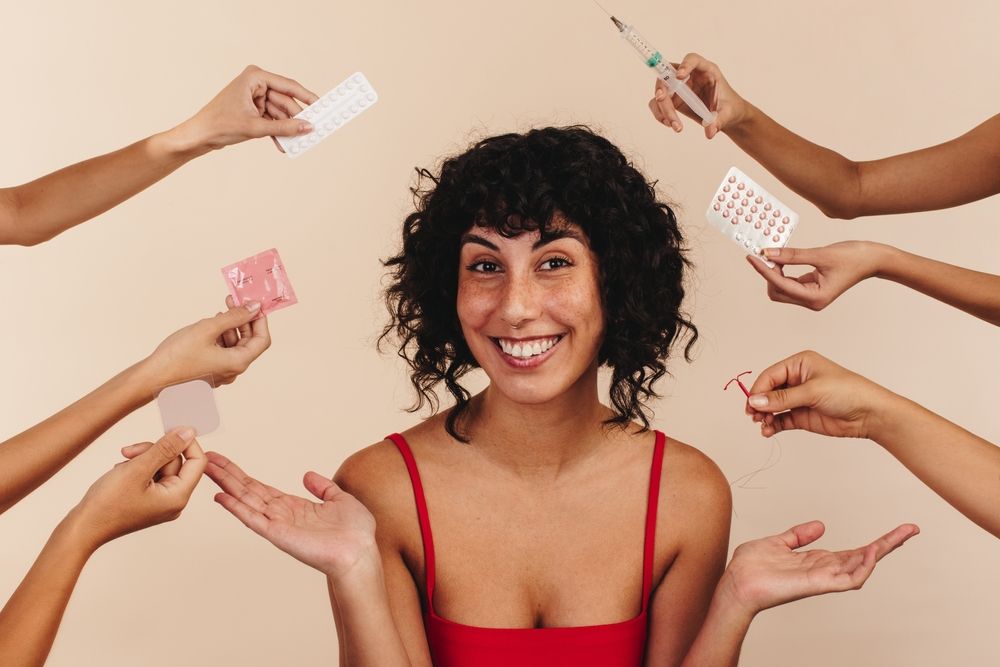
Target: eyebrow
x: 553, y: 235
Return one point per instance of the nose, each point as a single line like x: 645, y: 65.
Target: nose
x: 521, y: 303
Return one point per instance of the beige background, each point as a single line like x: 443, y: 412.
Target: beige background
x: 867, y: 78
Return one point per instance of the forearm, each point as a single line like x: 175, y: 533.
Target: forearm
x: 30, y: 619
x: 30, y: 458
x: 720, y: 639
x: 48, y: 206
x: 959, y: 466
x: 368, y: 634
x: 974, y: 292
x: 824, y: 177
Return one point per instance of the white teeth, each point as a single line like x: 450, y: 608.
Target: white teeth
x: 528, y: 349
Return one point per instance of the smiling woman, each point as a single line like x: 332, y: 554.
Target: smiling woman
x: 565, y: 531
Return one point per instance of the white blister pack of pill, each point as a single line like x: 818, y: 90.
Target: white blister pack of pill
x: 348, y: 100
x: 750, y: 215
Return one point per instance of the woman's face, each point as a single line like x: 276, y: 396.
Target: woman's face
x: 530, y: 310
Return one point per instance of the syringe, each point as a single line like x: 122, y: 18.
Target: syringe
x: 664, y: 70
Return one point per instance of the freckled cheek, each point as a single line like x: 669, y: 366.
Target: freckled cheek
x: 475, y: 304
x: 577, y: 306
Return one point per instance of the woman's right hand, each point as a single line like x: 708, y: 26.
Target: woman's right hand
x: 706, y: 80
x: 807, y: 391
x: 219, y: 347
x: 334, y: 535
x: 838, y: 267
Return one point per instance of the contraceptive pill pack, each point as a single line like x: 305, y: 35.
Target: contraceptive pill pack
x: 750, y: 215
x: 348, y: 100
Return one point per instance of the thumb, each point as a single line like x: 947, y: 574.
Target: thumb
x: 321, y: 487
x: 780, y: 400
x: 235, y: 317
x: 165, y: 449
x: 784, y: 256
x: 802, y: 534
x: 288, y: 127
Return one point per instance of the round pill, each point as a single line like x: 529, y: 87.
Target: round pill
x: 741, y: 186
x: 770, y: 223
x: 345, y: 114
x: 759, y: 200
x: 362, y: 102
x: 756, y: 225
x: 725, y: 214
x: 763, y: 216
x: 729, y: 204
x: 726, y: 188
x: 785, y: 220
x: 739, y: 237
x: 745, y: 202
x: 767, y: 207
x: 753, y: 209
x: 364, y: 88
x: 715, y: 207
x: 721, y: 197
x: 776, y: 238
x: 777, y: 212
x: 746, y: 244
x: 732, y: 179
x: 781, y: 230
x: 338, y: 122
x: 358, y: 78
x: 750, y: 192
x: 371, y: 97
x: 328, y: 126
x: 749, y: 218
x: 353, y: 108
x: 739, y: 211
x: 341, y: 90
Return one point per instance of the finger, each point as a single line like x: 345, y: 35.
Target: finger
x: 291, y: 127
x: 322, y: 487
x: 283, y: 102
x: 190, y: 472
x: 782, y: 399
x: 244, y: 330
x: 289, y: 87
x: 250, y: 517
x: 860, y: 575
x: 258, y: 341
x: 789, y: 287
x: 802, y: 534
x: 172, y: 467
x: 892, y: 540
x: 774, y: 424
x: 234, y: 317
x: 691, y: 62
x: 665, y: 104
x: 654, y: 107
x: 274, y: 112
x: 132, y: 451
x: 788, y: 371
x: 783, y: 256
x: 231, y: 479
x: 229, y: 338
x: 165, y: 450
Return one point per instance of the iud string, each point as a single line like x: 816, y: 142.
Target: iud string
x: 773, y: 456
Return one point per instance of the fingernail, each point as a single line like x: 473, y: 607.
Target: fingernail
x: 305, y: 128
x: 676, y: 126
x: 186, y: 434
x: 758, y: 401
x: 252, y: 306
x: 772, y: 252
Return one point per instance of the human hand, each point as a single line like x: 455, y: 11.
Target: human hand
x: 220, y: 347
x: 706, y: 80
x: 769, y: 572
x: 808, y: 391
x: 150, y: 488
x: 838, y: 267
x: 255, y: 104
x: 333, y: 535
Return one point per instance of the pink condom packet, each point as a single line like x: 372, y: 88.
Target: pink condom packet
x: 260, y: 278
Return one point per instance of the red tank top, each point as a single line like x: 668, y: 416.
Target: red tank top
x: 610, y: 645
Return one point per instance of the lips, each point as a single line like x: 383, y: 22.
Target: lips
x: 526, y: 352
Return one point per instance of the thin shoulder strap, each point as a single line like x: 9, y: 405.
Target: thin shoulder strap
x: 422, y: 516
x: 654, y: 497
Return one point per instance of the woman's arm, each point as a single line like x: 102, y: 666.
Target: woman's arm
x: 27, y: 460
x: 132, y: 496
x: 840, y: 266
x: 255, y: 104
x: 962, y: 170
x: 809, y: 392
x: 769, y: 572
x: 336, y: 536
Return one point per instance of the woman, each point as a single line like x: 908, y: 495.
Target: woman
x: 530, y: 523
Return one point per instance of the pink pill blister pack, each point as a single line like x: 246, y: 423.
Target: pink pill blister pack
x: 750, y: 215
x: 260, y: 278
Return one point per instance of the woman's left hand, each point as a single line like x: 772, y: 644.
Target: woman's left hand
x: 768, y: 572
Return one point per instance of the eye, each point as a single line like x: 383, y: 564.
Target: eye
x: 554, y: 263
x: 484, y: 267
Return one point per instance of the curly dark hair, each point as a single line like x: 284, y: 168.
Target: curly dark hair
x: 516, y: 183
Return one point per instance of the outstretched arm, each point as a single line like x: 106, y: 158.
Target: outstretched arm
x: 809, y: 392
x: 840, y: 266
x: 143, y: 492
x: 255, y: 104
x: 769, y: 572
x: 955, y: 172
x: 27, y: 460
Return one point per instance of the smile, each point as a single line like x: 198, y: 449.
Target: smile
x: 526, y: 351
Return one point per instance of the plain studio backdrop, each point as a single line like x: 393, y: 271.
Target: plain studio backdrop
x: 866, y: 78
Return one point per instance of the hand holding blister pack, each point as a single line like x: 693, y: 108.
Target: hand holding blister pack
x: 348, y: 100
x: 260, y: 278
x: 750, y: 216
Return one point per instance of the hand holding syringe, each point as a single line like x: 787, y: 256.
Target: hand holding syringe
x: 665, y: 71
